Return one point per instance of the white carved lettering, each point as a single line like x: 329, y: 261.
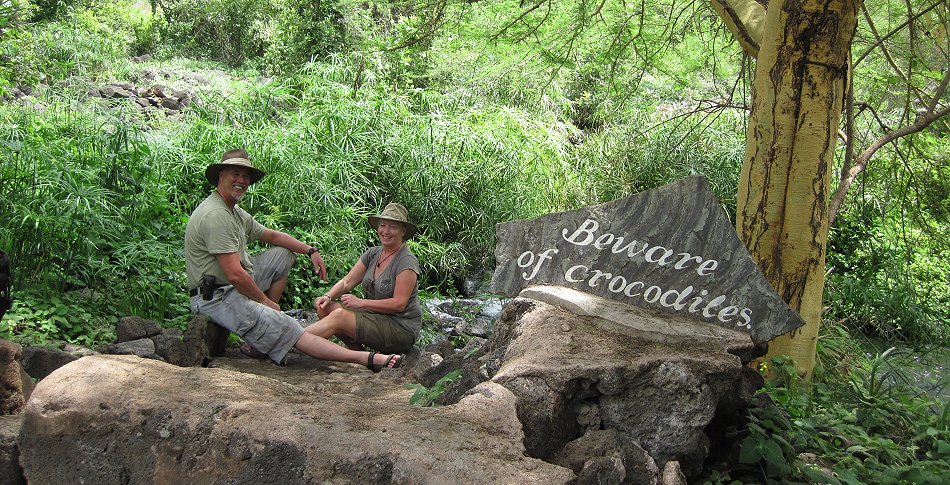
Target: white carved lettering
x: 652, y: 294
x: 629, y: 287
x: 604, y: 240
x: 680, y: 296
x: 569, y: 275
x: 544, y: 256
x: 707, y: 267
x: 587, y: 229
x: 613, y: 287
x: 597, y: 275
x: 662, y: 260
x: 727, y: 314
x: 713, y: 304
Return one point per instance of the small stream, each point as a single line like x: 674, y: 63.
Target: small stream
x: 922, y: 369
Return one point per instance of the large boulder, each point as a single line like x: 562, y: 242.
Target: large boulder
x: 570, y: 388
x: 122, y: 419
x: 574, y: 373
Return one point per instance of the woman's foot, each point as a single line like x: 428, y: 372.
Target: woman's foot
x: 377, y: 362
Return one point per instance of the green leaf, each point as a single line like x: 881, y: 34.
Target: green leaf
x: 773, y: 452
x: 815, y: 475
x: 749, y: 452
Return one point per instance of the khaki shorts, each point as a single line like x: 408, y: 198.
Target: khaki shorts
x: 267, y: 330
x: 381, y: 333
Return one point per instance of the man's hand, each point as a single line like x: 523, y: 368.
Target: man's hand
x: 284, y: 240
x: 319, y: 267
x: 270, y: 303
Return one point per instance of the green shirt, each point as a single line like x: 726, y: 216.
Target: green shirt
x: 213, y: 229
x: 383, y: 287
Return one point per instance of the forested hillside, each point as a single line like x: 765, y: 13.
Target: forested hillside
x: 470, y: 114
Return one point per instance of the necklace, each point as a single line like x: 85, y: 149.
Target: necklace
x: 383, y: 260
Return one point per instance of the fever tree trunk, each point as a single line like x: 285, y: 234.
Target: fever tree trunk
x: 800, y: 82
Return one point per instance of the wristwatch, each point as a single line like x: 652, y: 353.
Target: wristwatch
x: 311, y: 251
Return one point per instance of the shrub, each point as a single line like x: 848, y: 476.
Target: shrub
x: 229, y: 31
x: 303, y: 31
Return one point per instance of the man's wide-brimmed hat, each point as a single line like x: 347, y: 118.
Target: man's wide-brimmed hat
x: 233, y: 158
x: 394, y: 212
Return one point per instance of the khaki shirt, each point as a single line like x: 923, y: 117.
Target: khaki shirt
x: 213, y: 229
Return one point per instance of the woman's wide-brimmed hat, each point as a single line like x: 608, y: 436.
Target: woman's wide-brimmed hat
x: 394, y: 211
x: 233, y: 158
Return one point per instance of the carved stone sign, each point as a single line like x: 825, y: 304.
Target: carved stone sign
x: 670, y: 249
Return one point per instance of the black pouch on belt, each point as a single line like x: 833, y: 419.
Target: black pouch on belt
x: 207, y: 287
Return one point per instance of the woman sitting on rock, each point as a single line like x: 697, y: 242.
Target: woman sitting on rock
x: 389, y: 318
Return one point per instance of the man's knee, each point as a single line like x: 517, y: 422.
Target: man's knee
x: 285, y: 259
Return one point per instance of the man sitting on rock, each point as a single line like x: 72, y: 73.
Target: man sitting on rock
x: 240, y: 292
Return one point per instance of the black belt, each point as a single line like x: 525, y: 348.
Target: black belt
x: 197, y: 291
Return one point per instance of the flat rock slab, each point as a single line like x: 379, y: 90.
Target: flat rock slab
x: 670, y: 249
x: 634, y: 320
x: 123, y: 419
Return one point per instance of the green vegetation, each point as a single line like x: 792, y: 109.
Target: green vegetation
x: 350, y: 105
x: 427, y: 396
x: 867, y: 421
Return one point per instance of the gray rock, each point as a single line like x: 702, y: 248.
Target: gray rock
x: 10, y: 471
x: 142, y: 347
x: 207, y: 338
x: 134, y: 328
x: 118, y: 419
x: 173, y: 349
x: 40, y: 362
x: 171, y: 104
x: 158, y: 90
x: 604, y: 470
x: 616, y: 372
x: 670, y: 249
x: 445, y: 322
x: 672, y: 475
x: 477, y: 327
x: 638, y: 467
x: 195, y: 78
x: 115, y: 92
x: 78, y: 350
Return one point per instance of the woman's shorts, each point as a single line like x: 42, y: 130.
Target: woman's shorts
x: 381, y: 333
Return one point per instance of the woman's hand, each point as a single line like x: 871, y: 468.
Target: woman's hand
x: 321, y: 302
x: 350, y: 301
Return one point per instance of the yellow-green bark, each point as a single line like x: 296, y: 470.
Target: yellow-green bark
x: 797, y: 96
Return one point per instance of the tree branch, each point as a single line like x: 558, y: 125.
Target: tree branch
x: 745, y: 19
x: 897, y: 29
x: 861, y: 162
